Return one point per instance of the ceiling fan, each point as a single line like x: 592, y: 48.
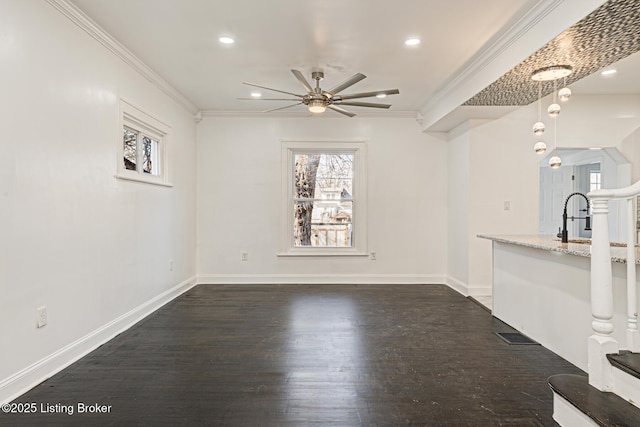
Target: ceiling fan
x: 319, y: 100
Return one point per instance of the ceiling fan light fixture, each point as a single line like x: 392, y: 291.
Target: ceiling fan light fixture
x: 318, y: 100
x: 317, y: 106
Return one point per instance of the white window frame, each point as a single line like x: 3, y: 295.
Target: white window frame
x: 134, y: 118
x: 359, y: 212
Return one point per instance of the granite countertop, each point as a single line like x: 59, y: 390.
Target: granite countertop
x: 553, y: 243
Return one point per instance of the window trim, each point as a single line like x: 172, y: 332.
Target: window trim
x: 134, y: 118
x: 359, y: 218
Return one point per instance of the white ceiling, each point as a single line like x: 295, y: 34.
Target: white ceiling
x: 179, y: 41
x: 624, y: 82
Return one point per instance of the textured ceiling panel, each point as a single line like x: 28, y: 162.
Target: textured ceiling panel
x: 607, y: 35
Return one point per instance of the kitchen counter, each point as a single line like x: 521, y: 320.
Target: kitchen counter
x: 553, y: 243
x: 542, y: 288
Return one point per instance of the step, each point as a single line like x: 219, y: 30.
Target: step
x: 627, y: 362
x: 626, y: 375
x: 576, y: 404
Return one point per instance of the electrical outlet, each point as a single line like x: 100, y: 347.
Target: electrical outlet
x: 245, y: 256
x: 41, y: 316
x: 507, y: 205
x: 171, y: 265
x: 373, y: 256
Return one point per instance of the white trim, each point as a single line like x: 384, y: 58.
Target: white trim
x: 457, y: 285
x: 404, y: 114
x: 78, y: 17
x: 503, y: 52
x: 329, y: 279
x: 492, y: 52
x: 20, y: 382
x: 321, y: 252
x: 567, y: 415
x: 134, y: 117
x: 479, y: 291
x: 146, y: 181
x: 359, y: 224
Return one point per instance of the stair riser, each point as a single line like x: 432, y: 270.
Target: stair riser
x: 627, y: 387
x: 567, y: 415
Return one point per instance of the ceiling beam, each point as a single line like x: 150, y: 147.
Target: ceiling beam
x: 506, y: 50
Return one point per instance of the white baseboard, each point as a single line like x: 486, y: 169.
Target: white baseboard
x: 31, y: 376
x: 480, y: 291
x: 457, y: 285
x: 330, y: 279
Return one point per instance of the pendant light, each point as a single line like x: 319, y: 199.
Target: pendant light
x: 545, y: 74
x: 539, y: 127
x: 565, y: 93
x: 555, y: 162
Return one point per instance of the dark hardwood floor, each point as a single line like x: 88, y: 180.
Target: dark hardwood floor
x: 306, y: 355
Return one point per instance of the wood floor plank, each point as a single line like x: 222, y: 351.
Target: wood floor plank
x: 307, y: 355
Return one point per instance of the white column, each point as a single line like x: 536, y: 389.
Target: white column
x: 633, y: 336
x: 601, y: 342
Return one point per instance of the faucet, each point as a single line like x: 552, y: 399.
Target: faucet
x: 564, y: 234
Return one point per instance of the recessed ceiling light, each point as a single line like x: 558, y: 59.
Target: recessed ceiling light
x: 609, y: 72
x: 226, y: 40
x: 381, y: 95
x: 412, y: 42
x: 256, y: 94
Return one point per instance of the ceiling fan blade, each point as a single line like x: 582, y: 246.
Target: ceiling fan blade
x: 340, y: 110
x: 364, y: 104
x: 282, y: 108
x: 267, y: 99
x: 370, y: 94
x: 345, y: 84
x: 303, y: 81
x: 275, y: 90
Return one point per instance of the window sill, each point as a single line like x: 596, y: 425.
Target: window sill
x: 143, y: 180
x: 322, y: 253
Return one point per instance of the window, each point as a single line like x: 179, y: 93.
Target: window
x: 594, y: 180
x: 142, y: 146
x: 324, y: 198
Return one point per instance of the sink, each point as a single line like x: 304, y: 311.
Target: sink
x: 588, y: 242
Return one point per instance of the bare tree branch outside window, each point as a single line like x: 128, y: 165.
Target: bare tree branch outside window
x: 323, y: 188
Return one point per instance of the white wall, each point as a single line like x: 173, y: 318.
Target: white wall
x: 88, y: 246
x: 630, y: 148
x: 458, y: 208
x: 503, y: 167
x: 239, y: 201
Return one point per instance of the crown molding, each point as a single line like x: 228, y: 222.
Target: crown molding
x: 491, y: 52
x: 498, y: 57
x: 306, y: 114
x: 79, y: 18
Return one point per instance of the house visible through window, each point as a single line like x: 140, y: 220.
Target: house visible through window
x: 324, y: 198
x: 143, y: 147
x: 323, y: 205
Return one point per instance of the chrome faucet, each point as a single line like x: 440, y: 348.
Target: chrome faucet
x: 564, y: 234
